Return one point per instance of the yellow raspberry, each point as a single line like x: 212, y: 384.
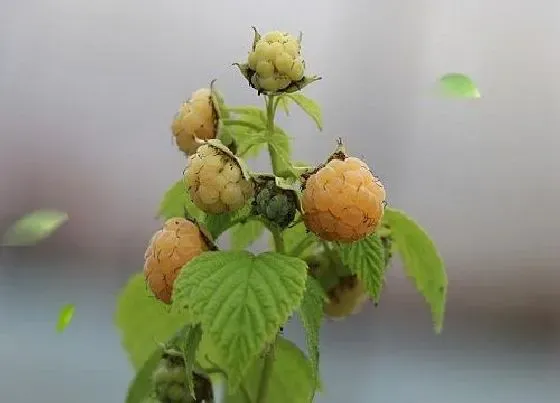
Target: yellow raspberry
x: 215, y: 181
x: 343, y: 201
x: 170, y: 248
x: 196, y: 120
x: 275, y: 62
x: 346, y: 298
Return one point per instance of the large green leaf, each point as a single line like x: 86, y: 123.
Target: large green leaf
x: 143, y: 321
x: 176, y: 202
x: 366, y: 259
x: 291, y: 378
x: 311, y: 313
x: 421, y: 260
x: 240, y: 300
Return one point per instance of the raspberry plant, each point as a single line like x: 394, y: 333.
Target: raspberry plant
x: 201, y: 320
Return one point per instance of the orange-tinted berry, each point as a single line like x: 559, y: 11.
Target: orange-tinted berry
x: 343, y: 201
x: 170, y: 248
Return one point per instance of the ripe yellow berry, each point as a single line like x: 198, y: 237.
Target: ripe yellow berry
x: 215, y: 181
x: 275, y: 62
x: 197, y: 119
x: 170, y: 248
x: 346, y: 298
x: 343, y: 201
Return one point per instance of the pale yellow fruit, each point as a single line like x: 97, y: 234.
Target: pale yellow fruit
x: 215, y: 181
x: 196, y: 121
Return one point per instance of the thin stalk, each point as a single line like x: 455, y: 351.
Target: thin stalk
x: 279, y: 247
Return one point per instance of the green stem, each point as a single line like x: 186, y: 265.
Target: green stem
x: 279, y: 247
x: 278, y: 240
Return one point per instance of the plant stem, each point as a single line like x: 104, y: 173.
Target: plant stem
x: 279, y: 247
x: 278, y: 240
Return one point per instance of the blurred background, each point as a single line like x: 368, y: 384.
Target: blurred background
x: 87, y: 93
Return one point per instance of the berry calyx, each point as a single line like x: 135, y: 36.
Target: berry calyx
x: 216, y: 181
x: 171, y: 247
x: 342, y: 200
x: 197, y: 120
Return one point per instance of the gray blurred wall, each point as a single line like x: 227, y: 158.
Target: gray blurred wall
x: 87, y: 91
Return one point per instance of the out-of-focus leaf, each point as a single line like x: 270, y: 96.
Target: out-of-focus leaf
x: 34, y: 227
x: 65, y: 316
x: 458, y: 85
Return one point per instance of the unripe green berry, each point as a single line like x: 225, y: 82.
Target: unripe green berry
x: 275, y: 204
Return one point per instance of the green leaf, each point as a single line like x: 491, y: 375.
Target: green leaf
x: 217, y: 224
x: 250, y: 113
x: 311, y: 313
x: 240, y: 300
x: 142, y: 386
x: 249, y: 144
x: 291, y: 378
x: 243, y: 235
x: 192, y: 339
x: 298, y: 241
x: 421, y: 260
x: 248, y: 124
x: 65, y: 317
x: 458, y: 85
x: 143, y: 321
x: 283, y: 102
x: 177, y: 203
x: 34, y: 227
x: 366, y: 259
x: 309, y: 106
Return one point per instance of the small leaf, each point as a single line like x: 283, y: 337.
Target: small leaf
x: 311, y: 313
x: 309, y: 106
x: 243, y: 235
x: 142, y: 386
x: 34, y: 227
x: 291, y: 378
x: 458, y: 85
x: 192, y: 338
x: 65, y: 317
x: 240, y: 300
x: 143, y: 321
x: 366, y: 259
x: 421, y: 260
x: 177, y: 202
